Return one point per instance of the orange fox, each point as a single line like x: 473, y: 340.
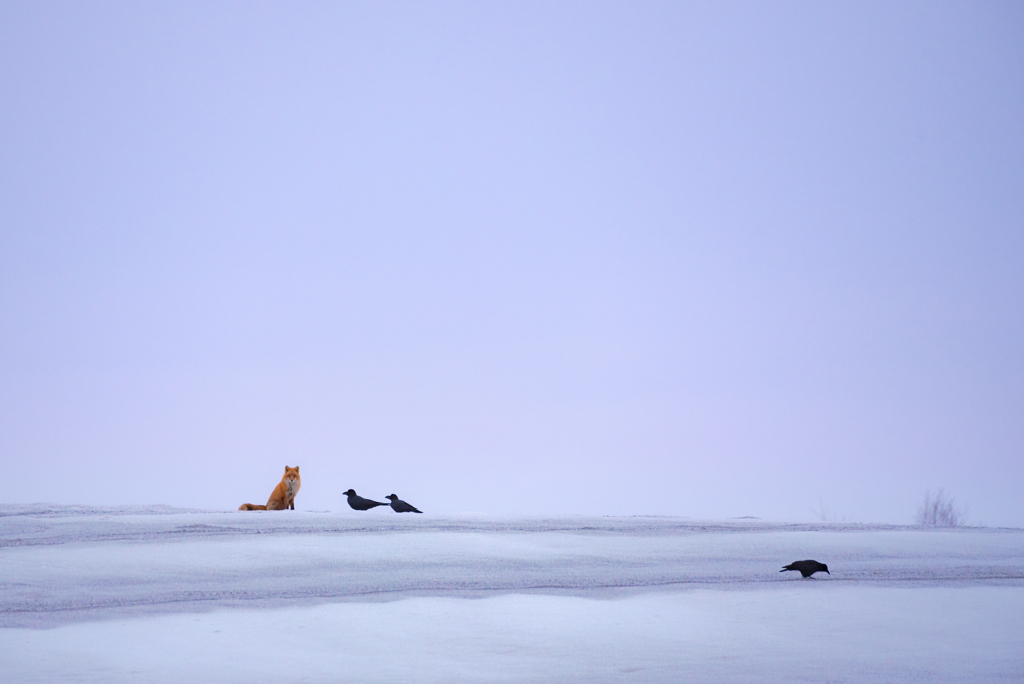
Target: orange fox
x: 283, y: 495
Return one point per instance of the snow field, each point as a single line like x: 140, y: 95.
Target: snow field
x: 814, y: 633
x: 153, y: 594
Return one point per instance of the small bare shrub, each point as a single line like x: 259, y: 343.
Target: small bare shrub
x: 940, y: 510
x: 826, y: 514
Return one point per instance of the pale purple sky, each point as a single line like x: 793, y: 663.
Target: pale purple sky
x: 701, y: 259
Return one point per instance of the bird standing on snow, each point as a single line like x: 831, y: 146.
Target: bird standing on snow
x: 806, y: 567
x: 359, y: 503
x: 400, y: 506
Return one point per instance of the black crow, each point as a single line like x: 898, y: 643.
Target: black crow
x: 400, y: 506
x: 359, y: 503
x: 806, y: 567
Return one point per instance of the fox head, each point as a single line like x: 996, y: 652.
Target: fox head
x: 291, y: 473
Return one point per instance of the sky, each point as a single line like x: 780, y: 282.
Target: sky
x: 694, y: 259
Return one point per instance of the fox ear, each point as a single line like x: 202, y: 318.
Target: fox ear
x: 296, y: 468
x: 286, y: 467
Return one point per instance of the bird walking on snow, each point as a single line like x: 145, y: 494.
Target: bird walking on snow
x: 806, y: 567
x: 359, y: 503
x: 399, y: 506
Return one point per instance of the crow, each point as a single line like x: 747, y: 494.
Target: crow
x: 359, y: 503
x: 806, y: 567
x: 400, y: 506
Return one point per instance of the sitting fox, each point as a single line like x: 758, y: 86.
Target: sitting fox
x: 283, y: 495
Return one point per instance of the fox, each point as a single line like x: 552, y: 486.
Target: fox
x: 283, y: 496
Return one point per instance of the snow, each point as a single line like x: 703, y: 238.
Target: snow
x: 157, y: 594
